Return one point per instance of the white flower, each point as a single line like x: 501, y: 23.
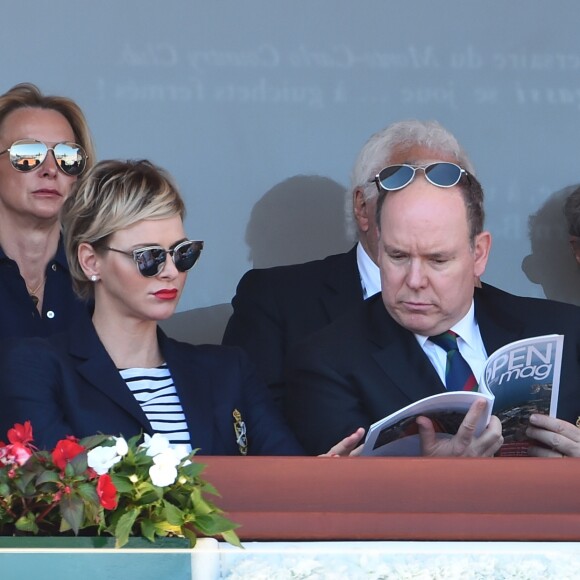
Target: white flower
x: 121, y: 446
x: 163, y: 472
x: 101, y: 459
x: 155, y: 444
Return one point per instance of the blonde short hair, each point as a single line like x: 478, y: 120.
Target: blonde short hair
x: 111, y: 196
x: 27, y: 95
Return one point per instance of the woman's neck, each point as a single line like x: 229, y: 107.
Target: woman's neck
x: 30, y: 245
x: 129, y: 342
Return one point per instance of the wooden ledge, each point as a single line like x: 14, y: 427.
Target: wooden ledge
x: 309, y: 498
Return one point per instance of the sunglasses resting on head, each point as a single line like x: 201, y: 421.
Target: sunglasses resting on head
x: 395, y: 177
x: 29, y: 154
x: 151, y: 260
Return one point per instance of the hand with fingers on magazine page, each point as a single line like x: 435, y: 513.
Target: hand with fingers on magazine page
x: 519, y: 379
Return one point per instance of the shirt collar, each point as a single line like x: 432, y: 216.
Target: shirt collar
x: 466, y: 329
x: 60, y: 256
x: 369, y: 272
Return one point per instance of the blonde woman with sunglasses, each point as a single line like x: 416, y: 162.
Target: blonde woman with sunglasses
x: 118, y: 373
x: 45, y: 145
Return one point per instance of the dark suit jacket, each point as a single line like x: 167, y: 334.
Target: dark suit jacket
x: 275, y: 308
x: 365, y: 366
x: 69, y: 385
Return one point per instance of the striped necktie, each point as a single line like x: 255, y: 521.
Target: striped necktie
x: 458, y: 374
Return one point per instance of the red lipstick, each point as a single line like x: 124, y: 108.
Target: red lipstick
x: 166, y: 294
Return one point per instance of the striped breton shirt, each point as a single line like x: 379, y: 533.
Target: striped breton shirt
x: 154, y: 390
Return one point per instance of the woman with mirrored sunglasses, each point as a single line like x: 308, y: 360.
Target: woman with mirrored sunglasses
x: 119, y: 373
x: 45, y: 145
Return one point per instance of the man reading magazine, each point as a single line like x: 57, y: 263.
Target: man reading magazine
x: 380, y: 358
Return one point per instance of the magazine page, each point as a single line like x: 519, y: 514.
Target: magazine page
x: 398, y: 434
x: 524, y: 377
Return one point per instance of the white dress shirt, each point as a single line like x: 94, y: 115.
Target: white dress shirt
x: 370, y: 276
x: 469, y: 342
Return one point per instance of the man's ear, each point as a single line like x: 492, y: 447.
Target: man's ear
x: 361, y: 209
x: 89, y: 260
x: 575, y: 245
x: 482, y: 246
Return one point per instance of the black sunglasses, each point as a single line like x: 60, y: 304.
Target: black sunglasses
x: 29, y: 154
x: 395, y: 177
x: 150, y: 260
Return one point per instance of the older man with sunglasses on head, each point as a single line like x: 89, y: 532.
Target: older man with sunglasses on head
x: 387, y: 353
x: 275, y: 308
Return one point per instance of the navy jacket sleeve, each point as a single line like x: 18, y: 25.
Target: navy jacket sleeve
x: 257, y: 326
x: 30, y: 378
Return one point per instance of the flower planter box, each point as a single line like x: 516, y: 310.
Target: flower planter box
x: 95, y: 558
x: 89, y: 542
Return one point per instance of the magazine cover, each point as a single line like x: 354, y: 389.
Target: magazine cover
x: 524, y: 378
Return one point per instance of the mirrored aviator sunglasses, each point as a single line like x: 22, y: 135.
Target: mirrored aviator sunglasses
x: 441, y: 174
x: 151, y: 260
x: 28, y: 154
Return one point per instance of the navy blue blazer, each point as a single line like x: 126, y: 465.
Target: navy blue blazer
x: 366, y: 366
x: 275, y: 308
x: 69, y: 385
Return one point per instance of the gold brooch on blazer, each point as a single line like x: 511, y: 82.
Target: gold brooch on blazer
x: 578, y: 422
x: 240, y: 431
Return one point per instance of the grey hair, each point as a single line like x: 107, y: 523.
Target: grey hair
x: 572, y: 212
x: 396, y: 138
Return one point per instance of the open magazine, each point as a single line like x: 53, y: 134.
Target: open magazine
x: 519, y: 379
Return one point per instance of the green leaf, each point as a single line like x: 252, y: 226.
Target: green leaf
x: 96, y: 440
x: 232, y: 538
x: 148, y: 530
x: 79, y: 463
x: 200, y: 506
x: 214, y: 524
x: 192, y: 470
x: 189, y: 533
x: 164, y: 528
x: 124, y: 527
x: 26, y: 523
x: 172, y: 514
x: 88, y: 492
x: 122, y: 483
x: 132, y: 443
x: 209, y: 488
x: 72, y: 510
x: 149, y: 493
x: 47, y: 477
x: 24, y: 481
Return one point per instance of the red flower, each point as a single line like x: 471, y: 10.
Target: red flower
x: 65, y: 450
x: 21, y: 433
x: 18, y: 453
x: 107, y: 492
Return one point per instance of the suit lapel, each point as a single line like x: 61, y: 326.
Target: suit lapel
x: 195, y: 389
x: 399, y: 355
x: 97, y: 368
x: 497, y: 325
x: 342, y: 285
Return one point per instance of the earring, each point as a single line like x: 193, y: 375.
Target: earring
x: 94, y: 278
